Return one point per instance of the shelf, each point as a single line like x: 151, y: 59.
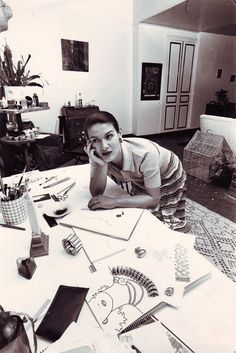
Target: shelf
x: 20, y: 111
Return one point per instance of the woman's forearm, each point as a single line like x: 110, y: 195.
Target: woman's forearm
x: 139, y: 201
x: 98, y: 180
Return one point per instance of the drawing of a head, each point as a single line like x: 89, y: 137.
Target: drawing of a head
x: 127, y: 289
x: 101, y: 303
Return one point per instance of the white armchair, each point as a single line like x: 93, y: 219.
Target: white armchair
x: 220, y: 125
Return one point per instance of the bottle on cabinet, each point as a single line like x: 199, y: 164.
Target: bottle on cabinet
x: 76, y: 101
x: 35, y: 102
x: 80, y: 101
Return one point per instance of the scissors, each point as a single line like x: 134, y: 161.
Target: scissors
x: 63, y: 194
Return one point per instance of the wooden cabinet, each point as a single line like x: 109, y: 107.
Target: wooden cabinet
x: 71, y: 123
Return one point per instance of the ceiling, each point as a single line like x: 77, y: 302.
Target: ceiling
x: 214, y: 16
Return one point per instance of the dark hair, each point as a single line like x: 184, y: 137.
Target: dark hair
x: 100, y: 117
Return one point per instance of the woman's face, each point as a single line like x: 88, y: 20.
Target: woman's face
x: 105, y: 140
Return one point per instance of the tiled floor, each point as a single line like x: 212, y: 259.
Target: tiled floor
x: 211, y: 196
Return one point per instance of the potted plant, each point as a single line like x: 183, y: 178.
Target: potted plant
x: 14, y: 77
x: 222, y: 97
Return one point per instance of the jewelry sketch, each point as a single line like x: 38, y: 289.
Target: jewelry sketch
x: 128, y: 288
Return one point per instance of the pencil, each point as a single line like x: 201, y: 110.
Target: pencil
x: 1, y: 183
x: 22, y: 176
x: 108, y: 255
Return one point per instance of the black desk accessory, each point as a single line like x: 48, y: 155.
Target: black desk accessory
x: 39, y: 242
x: 64, y: 309
x: 26, y: 267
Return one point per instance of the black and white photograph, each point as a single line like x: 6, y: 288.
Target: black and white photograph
x: 74, y: 55
x: 118, y: 176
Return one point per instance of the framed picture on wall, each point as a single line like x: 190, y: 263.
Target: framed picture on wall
x: 151, y: 81
x: 74, y: 55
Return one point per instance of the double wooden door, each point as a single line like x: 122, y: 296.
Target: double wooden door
x: 177, y: 97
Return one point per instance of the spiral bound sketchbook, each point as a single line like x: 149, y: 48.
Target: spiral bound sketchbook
x: 117, y: 223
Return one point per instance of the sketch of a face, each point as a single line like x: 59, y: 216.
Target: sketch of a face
x: 102, y: 304
x: 5, y: 15
x: 122, y: 292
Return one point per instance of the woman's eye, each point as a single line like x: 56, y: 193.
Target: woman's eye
x: 95, y: 141
x: 109, y: 137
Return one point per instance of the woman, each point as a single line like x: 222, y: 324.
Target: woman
x: 152, y: 175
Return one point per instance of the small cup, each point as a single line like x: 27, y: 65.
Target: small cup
x: 14, y: 211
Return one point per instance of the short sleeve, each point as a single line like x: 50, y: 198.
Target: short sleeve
x: 150, y: 168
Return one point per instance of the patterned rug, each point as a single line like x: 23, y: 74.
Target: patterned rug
x: 215, y: 237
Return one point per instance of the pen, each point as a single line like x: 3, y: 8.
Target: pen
x: 22, y: 176
x: 11, y: 226
x: 1, y: 183
x: 135, y: 348
x: 109, y: 255
x: 56, y: 182
x: 52, y: 177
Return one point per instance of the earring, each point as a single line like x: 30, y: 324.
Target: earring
x: 120, y: 139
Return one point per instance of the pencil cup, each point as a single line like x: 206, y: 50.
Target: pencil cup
x: 14, y: 211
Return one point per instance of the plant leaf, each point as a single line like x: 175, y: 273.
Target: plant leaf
x: 35, y: 84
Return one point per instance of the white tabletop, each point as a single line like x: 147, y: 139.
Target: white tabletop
x: 205, y: 321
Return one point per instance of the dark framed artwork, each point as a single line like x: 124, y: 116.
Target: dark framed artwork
x: 151, y: 81
x: 74, y: 55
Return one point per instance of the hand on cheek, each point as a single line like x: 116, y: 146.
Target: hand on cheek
x: 94, y: 159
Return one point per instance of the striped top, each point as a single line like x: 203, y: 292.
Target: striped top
x: 143, y: 164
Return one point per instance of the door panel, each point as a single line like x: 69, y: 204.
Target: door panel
x: 171, y: 99
x: 187, y: 68
x: 174, y: 67
x: 170, y: 117
x: 182, y: 118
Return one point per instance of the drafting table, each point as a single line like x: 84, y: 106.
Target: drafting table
x: 206, y: 320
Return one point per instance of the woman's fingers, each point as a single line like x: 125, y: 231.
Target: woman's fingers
x: 97, y: 202
x: 88, y: 147
x: 102, y: 202
x: 94, y: 203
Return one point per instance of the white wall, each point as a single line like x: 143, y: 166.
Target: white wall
x: 146, y: 114
x: 144, y: 9
x: 215, y: 52
x: 37, y: 28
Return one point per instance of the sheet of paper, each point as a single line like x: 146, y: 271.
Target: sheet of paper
x: 118, y: 223
x: 151, y: 338
x: 125, y: 287
x: 87, y: 340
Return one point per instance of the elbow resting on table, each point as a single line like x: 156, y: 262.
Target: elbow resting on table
x: 96, y: 190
